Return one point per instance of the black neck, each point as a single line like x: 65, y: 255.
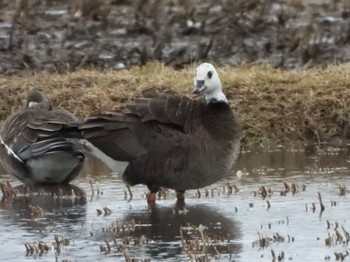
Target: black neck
x: 217, y: 103
x: 220, y: 121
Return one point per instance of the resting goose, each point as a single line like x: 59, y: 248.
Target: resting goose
x: 169, y: 140
x: 31, y: 147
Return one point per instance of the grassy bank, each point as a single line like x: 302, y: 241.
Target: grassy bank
x: 273, y: 105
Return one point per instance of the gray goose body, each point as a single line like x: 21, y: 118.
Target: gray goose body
x: 168, y: 140
x: 31, y: 147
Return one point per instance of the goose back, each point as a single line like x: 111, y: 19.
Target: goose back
x: 32, y: 147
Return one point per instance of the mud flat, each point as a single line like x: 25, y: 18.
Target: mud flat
x: 60, y: 36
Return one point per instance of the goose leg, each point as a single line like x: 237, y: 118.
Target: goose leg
x: 151, y: 197
x: 180, y: 195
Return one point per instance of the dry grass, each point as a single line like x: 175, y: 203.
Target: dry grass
x: 273, y: 105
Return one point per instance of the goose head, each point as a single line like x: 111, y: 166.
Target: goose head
x: 38, y: 100
x: 207, y: 82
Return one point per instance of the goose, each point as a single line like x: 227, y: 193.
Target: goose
x: 167, y: 140
x: 31, y: 147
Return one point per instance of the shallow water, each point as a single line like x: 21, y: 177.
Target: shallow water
x: 232, y: 221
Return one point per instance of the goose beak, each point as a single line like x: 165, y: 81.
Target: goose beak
x: 199, y: 87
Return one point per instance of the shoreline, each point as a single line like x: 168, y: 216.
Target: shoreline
x: 274, y: 105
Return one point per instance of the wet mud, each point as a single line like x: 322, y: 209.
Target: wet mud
x: 64, y: 36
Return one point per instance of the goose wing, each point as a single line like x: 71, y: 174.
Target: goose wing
x: 167, y: 108
x: 32, y: 125
x: 155, y: 122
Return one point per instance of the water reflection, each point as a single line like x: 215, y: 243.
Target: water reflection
x: 161, y: 225
x: 234, y: 221
x: 42, y: 206
x: 293, y: 158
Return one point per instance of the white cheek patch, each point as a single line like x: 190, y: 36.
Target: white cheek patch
x: 9, y: 150
x: 32, y: 104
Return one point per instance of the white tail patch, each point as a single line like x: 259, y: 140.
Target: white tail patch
x: 115, y: 165
x: 9, y: 150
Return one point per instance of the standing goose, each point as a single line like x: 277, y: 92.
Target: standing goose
x: 168, y: 140
x: 32, y: 149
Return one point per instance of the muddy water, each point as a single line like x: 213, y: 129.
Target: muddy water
x: 238, y: 222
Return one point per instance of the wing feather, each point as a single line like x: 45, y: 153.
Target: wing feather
x: 26, y: 127
x: 154, y: 122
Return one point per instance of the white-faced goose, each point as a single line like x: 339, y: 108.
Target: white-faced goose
x: 31, y: 147
x: 168, y: 140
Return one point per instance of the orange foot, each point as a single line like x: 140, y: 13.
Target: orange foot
x: 151, y: 197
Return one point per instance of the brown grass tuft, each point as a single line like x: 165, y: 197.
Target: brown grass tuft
x: 273, y: 105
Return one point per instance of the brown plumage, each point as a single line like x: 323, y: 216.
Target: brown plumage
x: 32, y: 148
x: 168, y: 140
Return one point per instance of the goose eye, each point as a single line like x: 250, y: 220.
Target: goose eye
x: 210, y: 74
